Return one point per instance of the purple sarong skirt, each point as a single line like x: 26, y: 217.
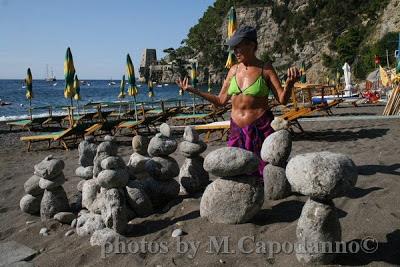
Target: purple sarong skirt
x: 251, y: 137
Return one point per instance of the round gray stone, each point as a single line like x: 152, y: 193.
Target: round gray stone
x: 108, y: 148
x: 53, y: 202
x: 232, y: 201
x: 137, y: 163
x: 140, y: 144
x: 138, y: 199
x: 318, y: 224
x: 162, y: 168
x: 89, y: 138
x: 49, y: 184
x: 230, y: 161
x: 276, y: 185
x: 190, y: 135
x: 49, y: 168
x: 89, y: 192
x: 114, y: 212
x: 31, y: 186
x: 110, y: 138
x: 87, y: 151
x: 100, y: 156
x: 165, y: 130
x: 30, y: 204
x: 65, y: 217
x: 113, y: 163
x: 113, y: 178
x: 192, y: 176
x: 87, y: 223
x: 84, y: 172
x: 321, y: 174
x: 79, y: 186
x: 276, y: 148
x: 189, y: 149
x: 161, y: 146
x: 105, y: 236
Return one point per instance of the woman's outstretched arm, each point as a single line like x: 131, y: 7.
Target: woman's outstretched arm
x: 217, y: 100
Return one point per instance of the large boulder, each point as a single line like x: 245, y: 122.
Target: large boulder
x: 321, y: 174
x: 189, y: 149
x: 161, y: 146
x: 137, y: 163
x: 114, y: 212
x: 49, y: 168
x: 31, y: 186
x: 53, y: 202
x: 161, y: 192
x: 276, y: 148
x: 138, y: 199
x: 231, y: 161
x: 30, y: 204
x: 105, y: 236
x: 318, y: 224
x: 89, y: 193
x: 113, y: 178
x: 276, y: 185
x: 190, y: 135
x: 192, y: 176
x: 49, y: 184
x: 113, y: 163
x: 87, y: 151
x: 84, y: 172
x: 162, y: 168
x: 232, y: 201
x: 140, y: 144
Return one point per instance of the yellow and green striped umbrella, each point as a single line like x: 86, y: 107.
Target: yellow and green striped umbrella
x: 303, y: 77
x: 28, y: 83
x: 122, y: 88
x: 232, y: 25
x: 69, y: 73
x: 77, y: 89
x: 132, y: 90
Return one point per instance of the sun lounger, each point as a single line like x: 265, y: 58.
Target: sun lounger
x: 27, y: 124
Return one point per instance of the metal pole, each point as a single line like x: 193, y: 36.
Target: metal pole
x: 387, y: 58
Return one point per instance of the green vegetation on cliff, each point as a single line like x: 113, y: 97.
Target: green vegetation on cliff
x: 345, y: 23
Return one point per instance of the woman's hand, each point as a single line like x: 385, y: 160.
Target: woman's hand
x: 293, y: 75
x: 183, y: 84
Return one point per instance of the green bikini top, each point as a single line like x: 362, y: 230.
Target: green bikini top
x: 258, y: 89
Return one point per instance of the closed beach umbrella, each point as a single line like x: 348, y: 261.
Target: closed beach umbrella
x: 347, y: 76
x: 303, y: 78
x: 122, y: 88
x: 150, y: 86
x: 384, y: 76
x: 232, y: 25
x: 132, y: 90
x: 77, y: 88
x: 29, y: 93
x: 193, y: 76
x: 209, y: 83
x: 69, y: 73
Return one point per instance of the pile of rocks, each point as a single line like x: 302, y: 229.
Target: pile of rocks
x: 235, y: 197
x: 137, y: 161
x: 45, y: 193
x: 276, y: 151
x: 87, y: 151
x: 161, y: 187
x: 192, y: 176
x: 322, y: 176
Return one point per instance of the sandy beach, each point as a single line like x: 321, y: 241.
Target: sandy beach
x: 371, y: 209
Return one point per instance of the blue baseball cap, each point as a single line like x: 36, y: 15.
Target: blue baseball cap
x: 243, y: 33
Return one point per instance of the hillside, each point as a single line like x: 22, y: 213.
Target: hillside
x: 322, y: 33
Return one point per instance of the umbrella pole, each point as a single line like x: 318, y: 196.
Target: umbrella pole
x: 134, y: 103
x: 30, y: 109
x: 194, y: 105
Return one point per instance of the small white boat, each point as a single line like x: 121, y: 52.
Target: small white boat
x: 166, y: 84
x: 54, y: 84
x: 159, y: 85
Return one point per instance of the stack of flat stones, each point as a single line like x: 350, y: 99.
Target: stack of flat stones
x: 192, y: 176
x: 161, y: 187
x: 137, y: 161
x: 87, y: 151
x: 276, y: 151
x: 322, y: 176
x: 47, y: 180
x: 236, y: 196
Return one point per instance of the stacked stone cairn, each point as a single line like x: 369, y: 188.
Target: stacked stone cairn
x: 235, y: 197
x: 276, y: 151
x: 45, y: 193
x: 137, y: 161
x: 192, y: 176
x: 322, y: 176
x: 161, y: 187
x: 87, y: 151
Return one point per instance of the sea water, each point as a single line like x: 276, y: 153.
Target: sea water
x: 52, y: 94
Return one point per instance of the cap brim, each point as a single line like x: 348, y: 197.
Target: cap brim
x: 234, y: 41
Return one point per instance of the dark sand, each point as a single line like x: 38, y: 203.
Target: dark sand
x: 371, y: 209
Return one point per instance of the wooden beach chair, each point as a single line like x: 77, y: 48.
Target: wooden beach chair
x: 27, y: 124
x: 64, y: 137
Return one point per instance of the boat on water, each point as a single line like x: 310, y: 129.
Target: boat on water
x: 50, y: 78
x: 166, y: 84
x: 111, y: 83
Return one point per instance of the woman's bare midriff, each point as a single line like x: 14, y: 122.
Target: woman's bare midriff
x: 247, y: 109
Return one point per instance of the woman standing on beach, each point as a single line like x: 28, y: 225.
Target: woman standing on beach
x: 248, y: 84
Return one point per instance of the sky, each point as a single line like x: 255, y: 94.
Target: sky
x: 36, y: 33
